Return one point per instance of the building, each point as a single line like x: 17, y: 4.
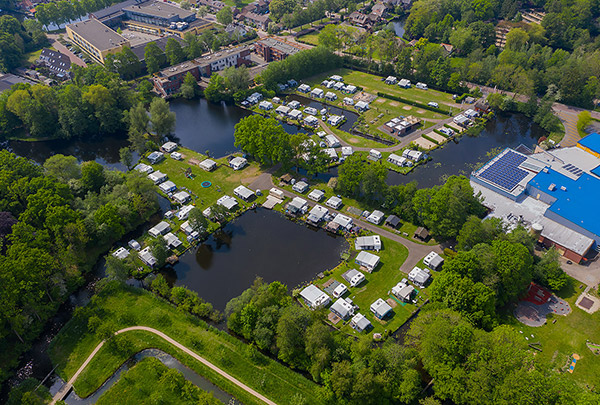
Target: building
x: 332, y: 141
x: 421, y: 233
x: 243, y: 192
x: 295, y: 114
x: 335, y: 120
x: 271, y: 49
x: 367, y: 260
x: 316, y: 195
x: 159, y: 229
x: 283, y: 110
x: 300, y: 187
x: 334, y: 202
x: 311, y: 121
x: 147, y: 257
x: 343, y: 221
x: 317, y: 93
x: 330, y: 96
x: 412, y: 154
x: 303, y: 88
x: 259, y: 20
x: 376, y: 217
x: 347, y: 151
x: 362, y: 106
x: 314, y: 298
x: 433, y: 261
x: 350, y: 89
x: 391, y: 80
x: 591, y: 144
x: 161, y: 18
x: 360, y: 323
x: 298, y: 206
x: 58, y: 63
x: 169, y: 147
x: 403, y: 291
x: 208, y: 165
x: 167, y: 187
x: 401, y: 125
x: 404, y: 83
x: 342, y: 309
x: 392, y: 221
x: 96, y: 39
x: 238, y: 163
x: 265, y: 105
x: 419, y: 276
x: 317, y: 214
x: 228, y: 202
x: 173, y: 242
x: 184, y: 212
x: 461, y: 120
x: 181, y: 197
x: 380, y: 308
x: 353, y: 277
x: 372, y: 242
x: 169, y: 80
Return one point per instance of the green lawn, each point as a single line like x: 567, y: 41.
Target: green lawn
x: 129, y: 306
x: 312, y: 38
x: 567, y: 336
x: 143, y: 384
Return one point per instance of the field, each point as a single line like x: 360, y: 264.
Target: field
x: 312, y: 38
x: 127, y: 306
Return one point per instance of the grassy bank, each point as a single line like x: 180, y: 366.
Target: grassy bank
x: 127, y: 306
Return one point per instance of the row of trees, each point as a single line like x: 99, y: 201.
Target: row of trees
x: 56, y: 218
x: 63, y: 11
x: 18, y: 38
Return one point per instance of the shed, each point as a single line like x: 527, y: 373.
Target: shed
x: 332, y: 141
x: 159, y: 229
x: 208, y: 165
x: 147, y: 257
x: 227, y: 202
x: 372, y: 242
x: 157, y: 177
x: 295, y: 114
x: 362, y: 106
x: 316, y: 195
x: 421, y: 233
x: 275, y: 192
x: 342, y: 309
x: 376, y: 217
x: 311, y: 121
x: 297, y: 206
x: 169, y: 147
x: 238, y: 163
x: 317, y: 93
x: 243, y: 192
x: 134, y: 244
x: 265, y: 105
x: 317, y: 213
x: 360, y: 323
x: 433, y: 261
x: 167, y: 187
x: 380, y: 308
x: 304, y: 88
x: 184, y: 212
x: 334, y: 202
x: 340, y: 290
x: 121, y: 253
x: 144, y: 168
x: 155, y: 157
x: 286, y: 178
x: 314, y: 298
x: 374, y: 154
x: 330, y: 96
x: 173, y: 241
x: 181, y: 197
x: 367, y: 260
x: 392, y: 221
x: 347, y: 151
x: 419, y: 276
x: 300, y: 187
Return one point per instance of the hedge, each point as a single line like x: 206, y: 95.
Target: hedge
x: 430, y: 139
x: 414, y: 103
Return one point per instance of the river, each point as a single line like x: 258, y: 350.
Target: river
x: 260, y: 243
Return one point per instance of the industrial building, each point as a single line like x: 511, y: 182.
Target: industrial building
x: 96, y: 39
x: 555, y: 193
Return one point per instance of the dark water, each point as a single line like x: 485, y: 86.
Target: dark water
x: 455, y: 159
x: 259, y: 243
x: 351, y: 116
x: 166, y: 359
x: 399, y: 26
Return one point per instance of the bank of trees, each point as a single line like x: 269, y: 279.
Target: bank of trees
x: 232, y: 84
x: 18, y: 38
x: 56, y: 219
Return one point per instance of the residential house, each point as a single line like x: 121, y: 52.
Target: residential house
x: 379, y: 10
x: 181, y: 197
x: 447, y: 49
x: 243, y: 192
x: 403, y: 291
x: 342, y: 309
x: 298, y: 206
x: 362, y: 106
x: 345, y: 222
x: 372, y: 242
x: 169, y: 147
x: 208, y: 165
x: 157, y: 177
x: 380, y: 308
x: 359, y: 19
x: 421, y: 233
x: 265, y: 105
x: 367, y: 260
x: 393, y: 221
x: 317, y: 214
x: 314, y: 298
x: 58, y: 63
x: 259, y: 20
x: 303, y: 88
x: 173, y: 242
x: 360, y: 323
x: 167, y: 187
x: 147, y: 257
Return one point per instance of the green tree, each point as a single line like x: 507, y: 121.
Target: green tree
x: 189, y: 87
x: 63, y: 168
x: 174, y: 52
x: 126, y: 157
x: 291, y: 328
x: 162, y: 118
x: 548, y: 272
x: 160, y: 286
x: 237, y: 78
x: 476, y: 231
x: 279, y: 8
x: 117, y: 269
x: 198, y: 221
x: 329, y: 37
x: 193, y: 46
x: 153, y: 57
x: 225, y: 16
x: 92, y: 176
x: 216, y: 90
x: 159, y: 250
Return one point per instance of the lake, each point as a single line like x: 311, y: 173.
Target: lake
x: 259, y: 243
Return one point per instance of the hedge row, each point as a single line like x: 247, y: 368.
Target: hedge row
x: 430, y: 139
x: 414, y: 103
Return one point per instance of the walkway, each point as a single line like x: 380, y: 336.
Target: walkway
x: 63, y: 49
x: 62, y: 393
x: 569, y: 120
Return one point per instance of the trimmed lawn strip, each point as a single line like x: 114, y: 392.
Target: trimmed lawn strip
x: 128, y: 306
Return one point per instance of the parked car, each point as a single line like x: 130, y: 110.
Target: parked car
x: 433, y: 104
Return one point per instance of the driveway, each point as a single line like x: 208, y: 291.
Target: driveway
x: 63, y: 49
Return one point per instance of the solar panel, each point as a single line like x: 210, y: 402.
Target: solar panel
x: 505, y: 172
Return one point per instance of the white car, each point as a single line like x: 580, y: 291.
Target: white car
x: 433, y: 104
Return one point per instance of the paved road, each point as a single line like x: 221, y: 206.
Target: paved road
x: 63, y: 49
x: 175, y: 343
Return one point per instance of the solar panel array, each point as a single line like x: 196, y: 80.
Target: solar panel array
x: 505, y: 172
x: 573, y: 169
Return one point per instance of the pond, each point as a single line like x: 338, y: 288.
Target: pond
x: 351, y: 116
x: 259, y: 243
x: 398, y: 24
x: 504, y: 131
x: 166, y: 359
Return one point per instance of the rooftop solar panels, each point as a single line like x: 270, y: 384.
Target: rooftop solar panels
x: 505, y: 171
x: 573, y: 169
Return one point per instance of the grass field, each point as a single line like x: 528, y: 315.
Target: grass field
x: 143, y: 383
x: 312, y: 38
x: 127, y: 306
x: 567, y: 336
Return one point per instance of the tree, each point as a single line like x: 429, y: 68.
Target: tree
x: 291, y: 328
x: 189, y: 87
x: 216, y: 90
x: 63, y: 168
x: 175, y: 54
x: 329, y: 37
x: 547, y: 271
x: 162, y: 118
x: 193, y: 46
x: 92, y: 176
x: 225, y: 16
x: 237, y: 78
x: 117, y: 269
x: 279, y: 8
x: 198, y: 221
x: 153, y: 57
x: 126, y: 157
x: 160, y: 286
x: 476, y: 231
x: 160, y: 251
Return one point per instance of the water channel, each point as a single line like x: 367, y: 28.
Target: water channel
x: 259, y: 243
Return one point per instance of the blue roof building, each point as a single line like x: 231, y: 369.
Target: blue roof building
x: 591, y: 144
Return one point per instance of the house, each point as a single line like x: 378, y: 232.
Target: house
x: 181, y: 197
x: 260, y: 20
x: 300, y: 187
x: 316, y: 195
x: 134, y: 244
x: 404, y: 83
x: 173, y: 242
x: 347, y: 151
x: 228, y: 202
x: 482, y: 107
x: 362, y: 106
x: 392, y: 221
x: 413, y: 154
x: 470, y: 113
x: 380, y: 308
x: 330, y: 96
x: 311, y: 121
x: 56, y: 62
x: 461, y: 120
x: 317, y: 214
x: 331, y: 153
x: 360, y: 323
x: 298, y: 206
x: 359, y: 19
x: 295, y: 114
x: 144, y: 168
x: 335, y: 120
x: 147, y: 257
x: 317, y: 93
x: 421, y: 233
x: 208, y: 165
x: 265, y: 105
x: 167, y: 187
x: 238, y: 163
x: 157, y: 177
x: 433, y: 261
x: 403, y: 291
x: 282, y: 110
x: 398, y: 160
x: 348, y: 101
x: 376, y: 217
x: 469, y: 100
x: 337, y: 78
x: 294, y: 104
x: 169, y: 147
x: 379, y: 10
x: 272, y: 49
x: 304, y: 88
x: 314, y: 298
x: 391, y: 80
x: 243, y: 192
x: 372, y: 242
x: 286, y: 178
x: 340, y: 290
x: 350, y: 89
x: 367, y: 260
x: 419, y: 276
x: 121, y: 253
x: 159, y: 229
x: 155, y: 157
x: 343, y: 221
x: 342, y: 309
x: 277, y: 193
x: 176, y: 156
x: 169, y: 214
x: 184, y: 212
x: 447, y: 49
x: 374, y: 154
x: 325, y: 83
x: 334, y: 202
x: 421, y: 86
x: 311, y: 110
x: 332, y: 141
x: 351, y: 275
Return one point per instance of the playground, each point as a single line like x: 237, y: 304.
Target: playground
x: 537, y: 304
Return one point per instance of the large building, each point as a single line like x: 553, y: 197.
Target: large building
x: 96, y: 39
x: 271, y: 49
x: 168, y: 81
x: 158, y: 18
x: 555, y: 192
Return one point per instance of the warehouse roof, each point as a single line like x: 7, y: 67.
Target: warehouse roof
x: 98, y: 34
x: 592, y: 142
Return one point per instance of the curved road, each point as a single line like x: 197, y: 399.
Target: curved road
x: 62, y: 393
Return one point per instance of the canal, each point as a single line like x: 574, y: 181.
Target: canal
x: 260, y: 243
